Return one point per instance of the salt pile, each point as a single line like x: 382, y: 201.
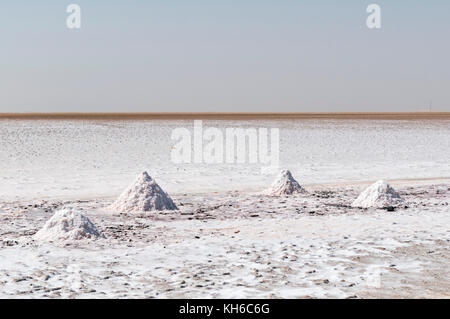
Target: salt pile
x: 67, y: 224
x: 285, y: 184
x: 143, y: 195
x: 380, y: 195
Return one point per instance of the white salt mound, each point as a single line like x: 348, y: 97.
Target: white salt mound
x: 143, y: 195
x: 285, y: 184
x: 67, y: 224
x: 380, y: 195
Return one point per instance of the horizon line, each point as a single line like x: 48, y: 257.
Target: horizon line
x: 225, y: 115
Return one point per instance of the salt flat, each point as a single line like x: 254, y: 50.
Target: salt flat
x: 91, y: 159
x: 227, y: 238
x: 237, y: 244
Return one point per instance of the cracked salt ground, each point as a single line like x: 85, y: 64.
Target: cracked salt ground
x: 212, y: 249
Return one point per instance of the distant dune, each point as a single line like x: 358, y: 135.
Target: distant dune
x: 229, y: 116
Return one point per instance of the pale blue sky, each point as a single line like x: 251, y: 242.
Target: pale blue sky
x: 152, y: 56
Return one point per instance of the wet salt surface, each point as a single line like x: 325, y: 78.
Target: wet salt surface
x: 238, y: 244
